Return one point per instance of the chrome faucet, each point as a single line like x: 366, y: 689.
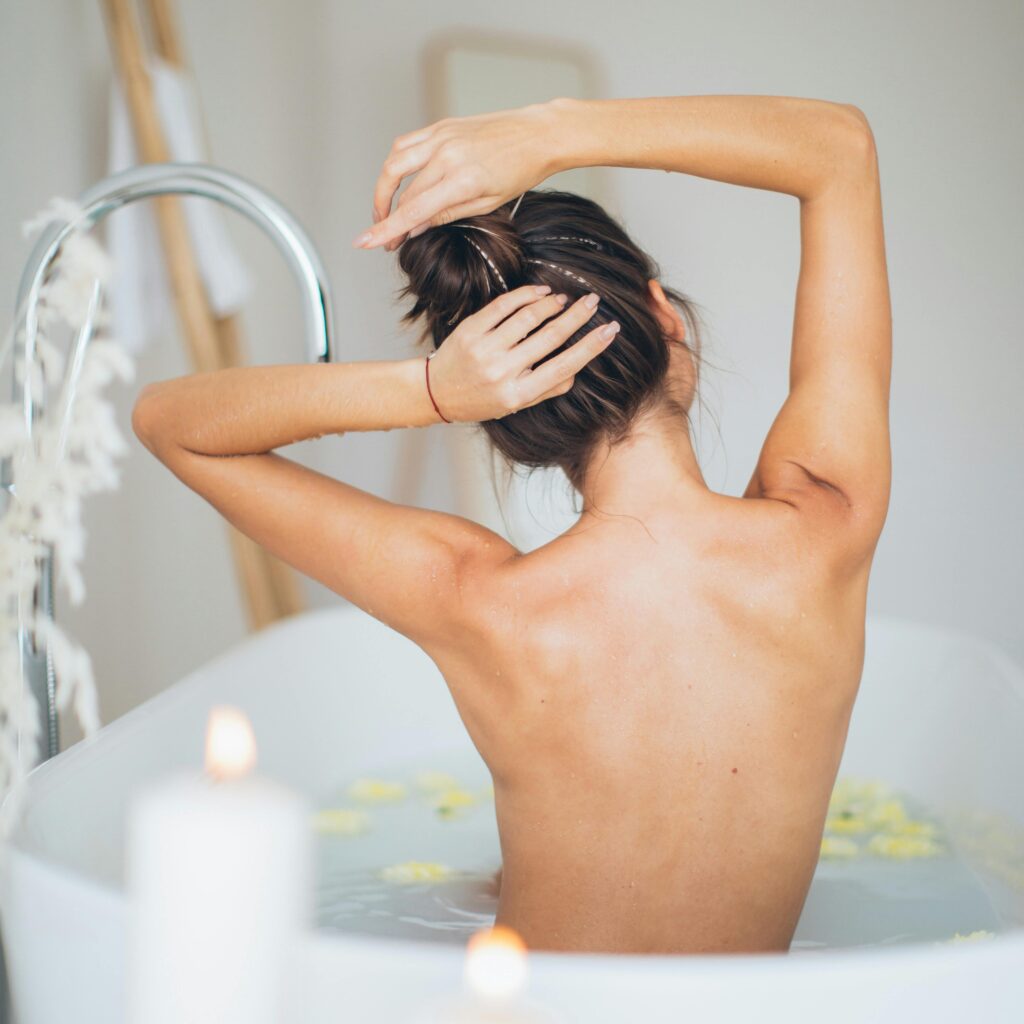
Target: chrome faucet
x: 143, y: 182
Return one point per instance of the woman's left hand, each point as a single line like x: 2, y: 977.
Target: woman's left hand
x: 485, y: 368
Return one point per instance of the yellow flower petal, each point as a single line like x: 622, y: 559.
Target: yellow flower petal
x: 925, y: 829
x: 846, y: 823
x: 413, y: 871
x: 903, y: 847
x: 849, y: 793
x: 838, y: 848
x: 450, y: 801
x: 432, y: 782
x: 340, y: 821
x: 376, y: 791
x: 887, y: 813
x: 972, y: 936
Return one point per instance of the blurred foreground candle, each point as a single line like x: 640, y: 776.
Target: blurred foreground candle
x: 495, y: 984
x: 495, y: 970
x: 219, y: 874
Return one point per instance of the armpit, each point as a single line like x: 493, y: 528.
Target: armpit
x: 822, y: 482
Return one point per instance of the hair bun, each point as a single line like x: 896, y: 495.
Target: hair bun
x: 571, y: 244
x: 458, y: 268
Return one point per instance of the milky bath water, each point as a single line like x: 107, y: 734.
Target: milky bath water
x: 411, y: 851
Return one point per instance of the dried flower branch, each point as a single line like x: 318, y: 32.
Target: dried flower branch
x: 72, y: 454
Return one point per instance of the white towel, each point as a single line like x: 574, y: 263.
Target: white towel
x: 142, y: 308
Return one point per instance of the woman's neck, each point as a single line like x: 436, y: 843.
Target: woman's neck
x: 654, y: 464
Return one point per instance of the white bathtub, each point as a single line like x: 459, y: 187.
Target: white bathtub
x: 940, y: 715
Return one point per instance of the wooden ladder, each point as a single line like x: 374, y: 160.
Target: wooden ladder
x: 270, y: 588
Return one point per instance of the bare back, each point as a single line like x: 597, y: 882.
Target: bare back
x: 664, y: 726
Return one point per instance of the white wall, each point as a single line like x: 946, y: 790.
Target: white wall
x: 305, y: 99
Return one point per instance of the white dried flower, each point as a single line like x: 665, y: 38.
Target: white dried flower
x: 58, y: 209
x: 44, y: 512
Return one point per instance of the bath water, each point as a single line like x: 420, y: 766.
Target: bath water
x: 421, y: 866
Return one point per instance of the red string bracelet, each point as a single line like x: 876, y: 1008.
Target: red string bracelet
x: 426, y: 367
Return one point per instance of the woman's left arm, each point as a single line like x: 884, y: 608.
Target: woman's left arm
x: 413, y: 569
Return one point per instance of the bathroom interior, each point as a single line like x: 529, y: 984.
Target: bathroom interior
x: 274, y: 119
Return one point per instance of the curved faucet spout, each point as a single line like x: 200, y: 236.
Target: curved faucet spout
x: 144, y: 182
x: 231, y: 190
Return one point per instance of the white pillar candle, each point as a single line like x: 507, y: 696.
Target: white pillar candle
x: 219, y: 875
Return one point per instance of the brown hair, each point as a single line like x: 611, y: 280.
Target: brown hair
x: 450, y: 279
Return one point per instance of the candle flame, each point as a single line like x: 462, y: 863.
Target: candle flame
x: 496, y: 963
x: 230, y: 744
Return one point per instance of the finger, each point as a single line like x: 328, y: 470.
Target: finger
x: 473, y: 208
x: 398, y: 166
x: 558, y: 389
x: 427, y: 178
x: 554, y: 334
x: 505, y: 305
x: 568, y: 363
x: 446, y: 194
x: 510, y: 333
x: 414, y: 138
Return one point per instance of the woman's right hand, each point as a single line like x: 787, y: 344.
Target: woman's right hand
x: 496, y: 361
x: 464, y: 166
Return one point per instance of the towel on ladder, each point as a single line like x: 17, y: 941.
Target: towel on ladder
x: 142, y: 308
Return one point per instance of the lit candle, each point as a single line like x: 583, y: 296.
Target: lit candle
x: 495, y: 970
x: 219, y: 875
x: 495, y: 984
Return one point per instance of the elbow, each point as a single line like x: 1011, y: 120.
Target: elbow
x: 849, y: 158
x: 858, y: 138
x: 856, y: 117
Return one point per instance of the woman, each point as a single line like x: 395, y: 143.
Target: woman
x: 661, y: 693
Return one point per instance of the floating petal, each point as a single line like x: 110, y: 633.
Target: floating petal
x: 377, y: 791
x: 838, y: 848
x: 341, y: 821
x: 413, y: 871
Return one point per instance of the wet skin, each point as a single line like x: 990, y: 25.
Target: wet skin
x: 662, y: 702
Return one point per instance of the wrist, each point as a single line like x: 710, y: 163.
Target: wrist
x: 566, y: 137
x: 414, y: 374
x: 432, y: 391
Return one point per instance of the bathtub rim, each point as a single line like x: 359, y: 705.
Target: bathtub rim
x: 37, y: 780
x: 15, y: 859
